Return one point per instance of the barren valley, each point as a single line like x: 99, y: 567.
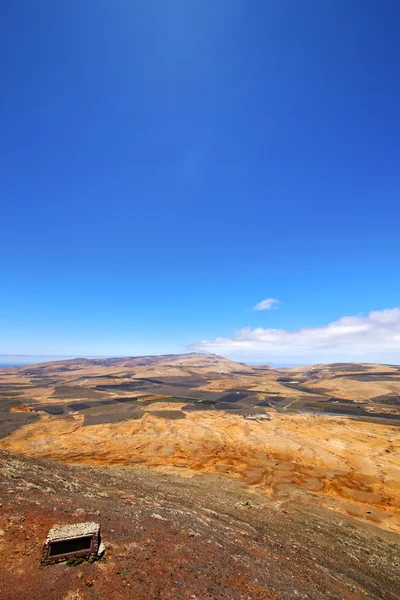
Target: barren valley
x: 312, y: 449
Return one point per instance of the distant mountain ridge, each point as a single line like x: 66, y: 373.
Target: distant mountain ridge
x: 174, y: 364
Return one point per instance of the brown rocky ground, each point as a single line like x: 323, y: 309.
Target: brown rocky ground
x: 253, y: 492
x: 171, y: 537
x: 348, y: 464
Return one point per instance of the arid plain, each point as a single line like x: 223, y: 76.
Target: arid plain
x: 325, y: 437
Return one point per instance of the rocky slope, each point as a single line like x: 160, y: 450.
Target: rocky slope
x: 258, y: 482
x: 170, y: 537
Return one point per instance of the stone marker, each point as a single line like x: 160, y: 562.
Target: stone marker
x: 64, y: 542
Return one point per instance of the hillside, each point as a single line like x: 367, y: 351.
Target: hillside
x: 313, y: 448
x: 170, y: 537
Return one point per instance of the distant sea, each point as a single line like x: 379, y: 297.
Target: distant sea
x: 15, y: 360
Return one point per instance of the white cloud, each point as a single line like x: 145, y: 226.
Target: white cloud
x: 371, y: 338
x: 266, y: 304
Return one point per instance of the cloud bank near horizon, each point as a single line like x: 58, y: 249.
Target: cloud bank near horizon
x: 371, y: 338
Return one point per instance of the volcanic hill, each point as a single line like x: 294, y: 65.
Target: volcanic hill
x: 211, y: 478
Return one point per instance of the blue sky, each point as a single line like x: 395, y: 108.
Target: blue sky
x: 165, y: 166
